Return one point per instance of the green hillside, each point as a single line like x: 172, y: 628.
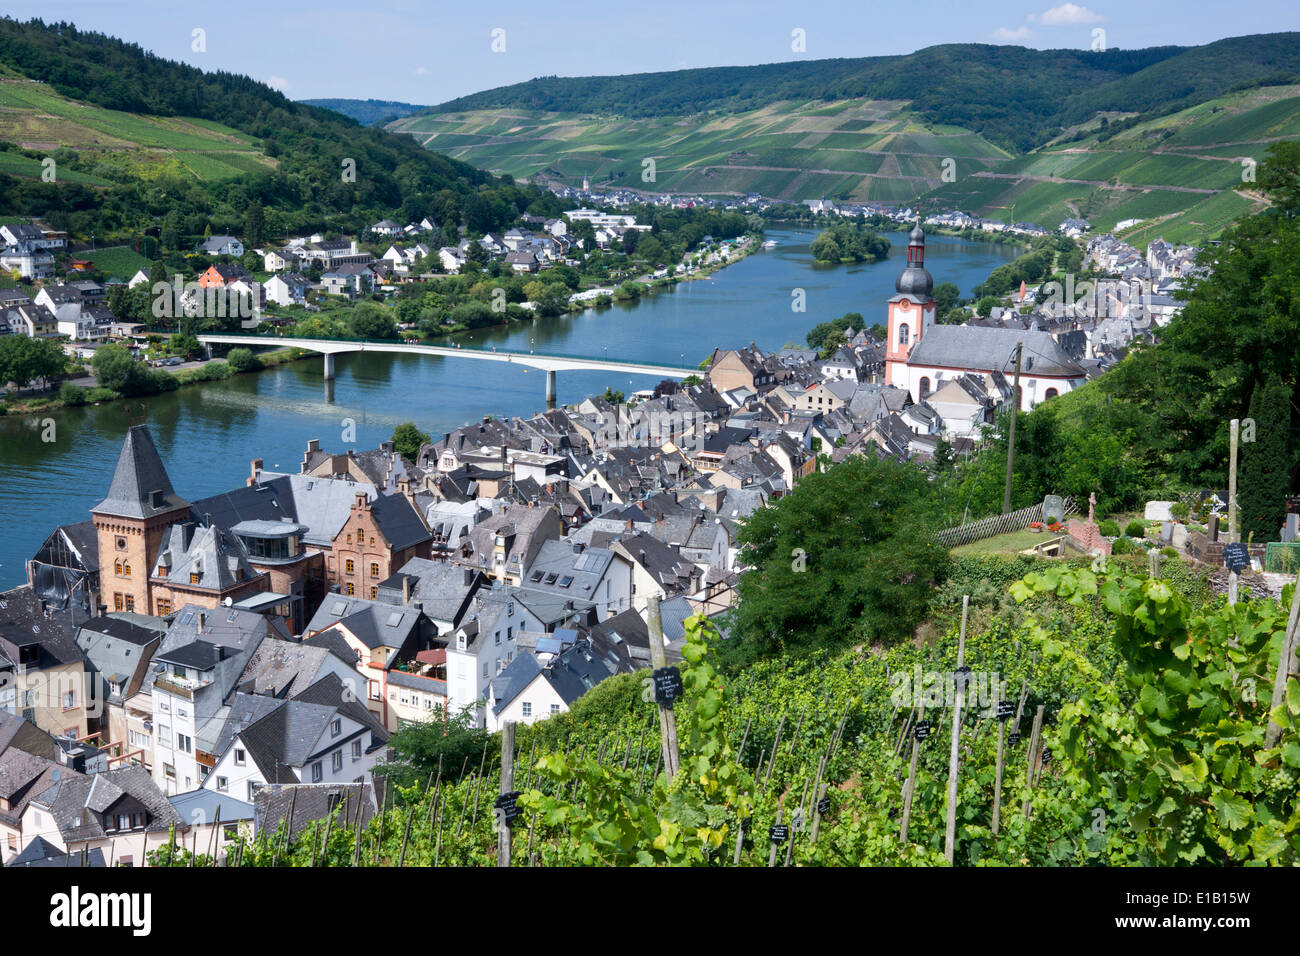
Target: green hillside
x: 845, y: 150
x: 1176, y: 172
x: 367, y: 112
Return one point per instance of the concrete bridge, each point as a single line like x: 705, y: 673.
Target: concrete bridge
x: 550, y: 364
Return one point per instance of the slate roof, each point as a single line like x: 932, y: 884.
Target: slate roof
x: 286, y: 737
x: 119, y: 650
x: 398, y: 521
x: 211, y: 805
x: 73, y: 794
x: 987, y: 350
x: 24, y: 622
x: 310, y: 802
x: 41, y: 853
x: 559, y: 569
x: 22, y: 777
x: 139, y: 473
x: 439, y: 586
x: 374, y: 623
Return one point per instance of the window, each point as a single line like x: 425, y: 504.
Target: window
x: 374, y: 569
x: 925, y: 386
x: 130, y: 602
x: 485, y: 668
x: 498, y: 637
x: 121, y: 544
x: 184, y: 743
x: 1052, y: 393
x: 510, y: 636
x: 138, y: 740
x: 169, y: 772
x: 336, y: 760
x: 316, y: 772
x: 229, y: 831
x: 527, y: 708
x: 361, y: 536
x: 902, y: 334
x: 195, y: 577
x: 356, y: 750
x: 555, y: 708
x: 13, y: 842
x: 117, y: 568
x: 374, y: 690
x: 349, y: 589
x: 69, y: 700
x: 127, y: 860
x: 126, y: 569
x: 336, y: 727
x: 351, y: 566
x: 252, y: 791
x: 117, y: 601
x: 240, y: 758
x: 223, y: 784
x: 374, y: 594
x: 164, y: 735
x: 164, y: 608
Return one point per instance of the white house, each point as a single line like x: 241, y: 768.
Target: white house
x: 544, y: 682
x: 287, y: 288
x: 222, y: 246
x: 483, y: 645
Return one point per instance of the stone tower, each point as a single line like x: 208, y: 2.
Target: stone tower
x: 911, y: 310
x: 131, y: 521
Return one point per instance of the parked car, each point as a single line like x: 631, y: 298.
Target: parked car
x: 175, y: 360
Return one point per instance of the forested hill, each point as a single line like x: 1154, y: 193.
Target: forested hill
x: 303, y: 148
x: 1017, y: 97
x: 367, y: 112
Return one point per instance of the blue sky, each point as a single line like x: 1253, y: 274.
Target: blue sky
x: 429, y: 52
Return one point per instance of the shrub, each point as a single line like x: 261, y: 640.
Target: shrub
x: 72, y: 395
x: 101, y: 394
x: 214, y: 372
x: 1136, y: 529
x: 1123, y: 546
x: 242, y: 360
x: 1052, y: 519
x: 1169, y: 552
x: 162, y: 381
x: 1179, y: 510
x: 1109, y: 527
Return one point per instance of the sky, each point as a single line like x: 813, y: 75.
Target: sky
x: 426, y: 53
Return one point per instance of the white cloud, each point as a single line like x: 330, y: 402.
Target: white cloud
x: 1005, y: 35
x: 277, y: 83
x: 1067, y: 14
x: 420, y: 71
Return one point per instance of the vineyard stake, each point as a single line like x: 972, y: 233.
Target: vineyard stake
x: 658, y: 660
x: 464, y: 808
x: 798, y: 815
x: 775, y: 744
x: 406, y: 834
x: 817, y: 812
x: 771, y: 856
x: 911, y: 778
x: 744, y: 738
x: 1287, y: 664
x: 997, y: 773
x: 504, y: 826
x: 1033, y: 753
x: 437, y: 852
x: 798, y: 727
x: 950, y: 831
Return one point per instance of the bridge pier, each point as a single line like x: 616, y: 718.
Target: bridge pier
x: 207, y: 346
x: 329, y: 366
x: 550, y: 389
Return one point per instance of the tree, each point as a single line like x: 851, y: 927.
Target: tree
x: 117, y: 369
x: 254, y: 225
x: 407, y: 440
x: 945, y: 297
x: 613, y: 396
x: 986, y: 305
x: 186, y: 346
x: 23, y: 360
x: 848, y: 555
x: 369, y: 320
x: 242, y: 360
x: 1265, y: 468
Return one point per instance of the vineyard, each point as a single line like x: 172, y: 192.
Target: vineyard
x: 1105, y: 718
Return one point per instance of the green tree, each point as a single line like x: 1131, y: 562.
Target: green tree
x: 407, y: 440
x: 848, y: 555
x: 117, y: 369
x: 254, y: 225
x: 1265, y: 469
x: 23, y: 360
x: 945, y: 295
x: 370, y: 320
x: 242, y: 360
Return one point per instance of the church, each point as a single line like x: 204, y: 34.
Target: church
x: 921, y: 355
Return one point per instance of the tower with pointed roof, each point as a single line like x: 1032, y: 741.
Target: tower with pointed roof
x: 912, y: 309
x: 132, y: 521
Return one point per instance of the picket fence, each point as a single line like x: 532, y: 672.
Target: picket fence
x: 998, y: 524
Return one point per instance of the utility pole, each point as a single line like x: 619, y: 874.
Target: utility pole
x: 1011, y: 437
x: 1232, y: 504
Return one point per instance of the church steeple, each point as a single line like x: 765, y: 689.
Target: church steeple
x: 911, y: 311
x: 140, y: 486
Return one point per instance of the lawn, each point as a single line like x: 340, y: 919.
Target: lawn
x: 1013, y: 542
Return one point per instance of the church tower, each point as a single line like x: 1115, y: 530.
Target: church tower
x: 131, y: 522
x: 911, y: 311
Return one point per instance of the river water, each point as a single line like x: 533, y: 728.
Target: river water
x: 207, y: 434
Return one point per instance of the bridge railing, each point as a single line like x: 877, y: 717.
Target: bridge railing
x: 274, y: 337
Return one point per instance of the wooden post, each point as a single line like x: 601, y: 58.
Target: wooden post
x: 817, y: 813
x: 1232, y: 504
x: 1011, y: 437
x: 740, y: 751
x: 950, y: 832
x: 1033, y: 753
x: 504, y: 826
x: 406, y: 835
x: 772, y: 762
x: 667, y: 721
x: 794, y: 741
x: 911, y: 776
x: 771, y: 856
x: 1288, y: 663
x: 997, y: 773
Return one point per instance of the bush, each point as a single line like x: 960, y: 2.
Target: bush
x: 1123, y: 546
x: 1180, y: 510
x: 243, y: 360
x: 72, y: 395
x: 1169, y: 552
x: 101, y: 394
x: 1109, y: 527
x: 162, y: 381
x: 1136, y: 529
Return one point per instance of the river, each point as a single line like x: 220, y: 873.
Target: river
x: 207, y: 434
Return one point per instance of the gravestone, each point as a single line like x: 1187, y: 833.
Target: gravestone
x: 1178, y: 537
x: 1291, y: 530
x: 1166, y: 531
x: 1214, y: 527
x: 1158, y: 511
x: 1053, y: 507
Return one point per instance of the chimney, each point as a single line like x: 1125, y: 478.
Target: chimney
x: 254, y: 467
x: 203, y: 618
x: 406, y: 589
x: 386, y: 447
x: 469, y: 577
x: 629, y: 524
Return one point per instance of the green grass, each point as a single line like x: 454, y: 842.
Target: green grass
x: 1013, y: 542
x: 120, y: 261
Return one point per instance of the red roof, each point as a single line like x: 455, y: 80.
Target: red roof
x: 437, y: 655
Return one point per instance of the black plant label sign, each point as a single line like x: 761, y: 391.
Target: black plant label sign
x: 824, y: 806
x: 922, y: 729
x: 778, y: 833
x: 507, y: 807
x: 1006, y: 710
x: 1236, y: 556
x: 668, y: 685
